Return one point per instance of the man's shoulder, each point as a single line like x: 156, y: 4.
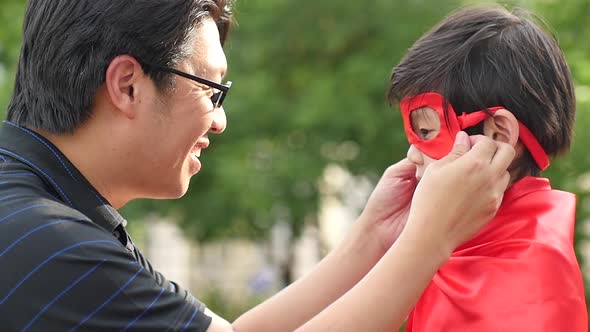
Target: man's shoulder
x: 35, y: 205
x: 35, y: 220
x: 20, y: 186
x: 29, y: 215
x: 56, y: 256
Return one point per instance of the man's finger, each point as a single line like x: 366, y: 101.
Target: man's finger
x: 504, y: 181
x: 402, y: 168
x: 473, y: 139
x: 461, y: 146
x: 501, y: 185
x: 483, y: 149
x: 503, y: 157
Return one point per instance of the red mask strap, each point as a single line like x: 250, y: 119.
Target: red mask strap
x: 471, y: 119
x: 441, y: 145
x: 525, y: 135
x: 534, y: 147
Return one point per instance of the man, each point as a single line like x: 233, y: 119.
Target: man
x: 113, y: 101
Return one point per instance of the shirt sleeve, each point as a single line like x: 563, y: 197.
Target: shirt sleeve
x: 165, y: 283
x: 77, y: 277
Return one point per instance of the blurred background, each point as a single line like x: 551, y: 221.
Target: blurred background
x: 309, y: 135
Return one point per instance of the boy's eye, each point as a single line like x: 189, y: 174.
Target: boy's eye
x: 425, y: 133
x: 425, y: 123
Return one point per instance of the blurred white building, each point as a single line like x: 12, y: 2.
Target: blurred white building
x: 241, y: 269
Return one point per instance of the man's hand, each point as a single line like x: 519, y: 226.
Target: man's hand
x: 388, y: 207
x: 460, y: 193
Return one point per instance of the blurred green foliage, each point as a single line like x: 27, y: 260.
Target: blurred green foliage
x: 310, y: 90
x: 310, y: 80
x: 11, y: 16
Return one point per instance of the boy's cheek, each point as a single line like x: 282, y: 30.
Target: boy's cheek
x: 420, y: 159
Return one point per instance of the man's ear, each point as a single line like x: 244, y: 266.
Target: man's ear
x: 122, y: 84
x: 502, y: 127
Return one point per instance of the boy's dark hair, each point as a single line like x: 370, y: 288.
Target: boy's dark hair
x: 68, y: 45
x: 487, y: 56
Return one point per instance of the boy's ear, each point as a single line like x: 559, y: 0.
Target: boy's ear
x: 502, y: 127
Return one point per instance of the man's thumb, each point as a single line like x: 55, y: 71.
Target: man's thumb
x: 461, y: 146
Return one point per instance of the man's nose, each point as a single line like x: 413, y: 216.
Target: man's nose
x: 219, y: 121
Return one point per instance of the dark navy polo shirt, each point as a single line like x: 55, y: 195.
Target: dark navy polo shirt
x: 66, y: 260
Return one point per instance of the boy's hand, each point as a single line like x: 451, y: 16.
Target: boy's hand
x: 388, y: 207
x: 460, y: 193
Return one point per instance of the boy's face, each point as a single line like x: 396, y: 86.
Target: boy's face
x: 431, y: 129
x: 426, y: 125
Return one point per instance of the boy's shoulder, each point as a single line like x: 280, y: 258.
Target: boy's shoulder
x: 532, y: 214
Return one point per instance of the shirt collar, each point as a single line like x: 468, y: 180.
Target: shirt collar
x: 58, y: 172
x: 524, y: 186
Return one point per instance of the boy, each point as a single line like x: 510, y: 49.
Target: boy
x: 492, y: 72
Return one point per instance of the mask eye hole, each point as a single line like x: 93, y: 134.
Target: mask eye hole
x: 425, y: 123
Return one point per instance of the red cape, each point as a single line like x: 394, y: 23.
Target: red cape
x: 519, y: 273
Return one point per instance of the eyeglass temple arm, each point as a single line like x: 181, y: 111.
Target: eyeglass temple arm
x: 212, y: 84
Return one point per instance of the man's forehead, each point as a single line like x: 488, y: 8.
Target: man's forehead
x: 207, y: 56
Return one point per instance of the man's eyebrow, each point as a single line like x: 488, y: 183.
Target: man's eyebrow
x: 210, y: 73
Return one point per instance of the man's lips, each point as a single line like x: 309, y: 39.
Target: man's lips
x: 201, y: 144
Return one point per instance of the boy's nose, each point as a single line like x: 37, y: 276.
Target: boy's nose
x: 415, y: 156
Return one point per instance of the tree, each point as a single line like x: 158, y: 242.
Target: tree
x: 310, y: 80
x: 310, y: 83
x: 11, y: 16
x: 569, y: 21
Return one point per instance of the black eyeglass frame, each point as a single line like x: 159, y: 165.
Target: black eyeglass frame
x: 217, y: 98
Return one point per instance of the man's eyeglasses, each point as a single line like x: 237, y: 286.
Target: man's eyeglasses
x: 221, y: 89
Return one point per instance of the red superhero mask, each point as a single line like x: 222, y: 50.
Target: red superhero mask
x: 440, y: 145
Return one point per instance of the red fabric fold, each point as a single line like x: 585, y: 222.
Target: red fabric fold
x: 519, y: 273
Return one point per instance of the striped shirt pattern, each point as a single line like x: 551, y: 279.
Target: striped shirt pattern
x: 66, y: 261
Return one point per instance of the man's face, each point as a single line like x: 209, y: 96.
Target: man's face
x: 176, y: 124
x: 426, y: 124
